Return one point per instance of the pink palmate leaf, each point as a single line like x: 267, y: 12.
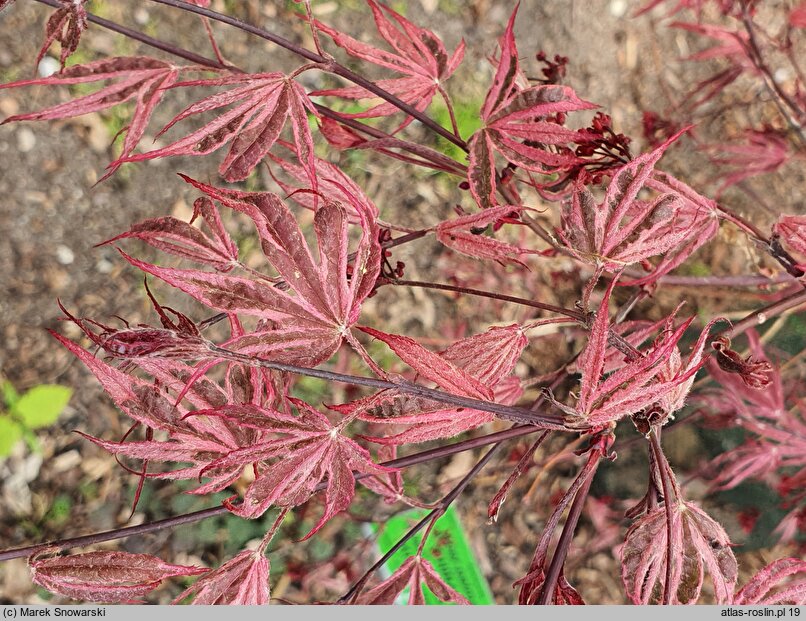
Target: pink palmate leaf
x: 762, y: 151
x: 65, y: 25
x: 332, y: 182
x: 632, y: 388
x: 195, y: 440
x: 622, y: 229
x: 137, y: 78
x: 184, y: 240
x: 105, y: 576
x: 726, y: 7
x: 261, y: 105
x: 412, y: 574
x: 419, y: 55
x: 242, y: 581
x: 462, y: 235
x: 289, y: 469
x: 699, y: 544
x: 696, y: 216
x: 674, y: 366
x: 479, y: 366
x: 521, y: 124
x: 310, y: 325
x: 792, y: 230
x: 781, y: 582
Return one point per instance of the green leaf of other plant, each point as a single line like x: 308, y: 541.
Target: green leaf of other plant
x: 41, y: 406
x: 10, y: 433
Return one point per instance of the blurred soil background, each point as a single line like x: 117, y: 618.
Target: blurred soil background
x: 52, y: 216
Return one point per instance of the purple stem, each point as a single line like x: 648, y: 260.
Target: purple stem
x: 561, y: 550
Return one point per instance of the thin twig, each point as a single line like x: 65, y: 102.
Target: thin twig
x: 564, y: 543
x: 515, y: 414
x: 432, y: 516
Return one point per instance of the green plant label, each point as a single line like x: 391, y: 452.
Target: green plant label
x: 447, y: 549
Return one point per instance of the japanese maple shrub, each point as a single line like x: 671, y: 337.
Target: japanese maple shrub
x: 212, y: 399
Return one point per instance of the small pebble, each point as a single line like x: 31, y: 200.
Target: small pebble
x: 618, y: 8
x: 26, y: 140
x: 141, y: 16
x: 48, y: 66
x: 64, y: 255
x: 104, y: 266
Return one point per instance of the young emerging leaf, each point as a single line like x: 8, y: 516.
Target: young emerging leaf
x: 108, y: 577
x: 65, y: 25
x: 636, y: 385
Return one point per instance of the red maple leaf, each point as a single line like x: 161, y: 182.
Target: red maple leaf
x: 261, y: 105
x: 107, y: 577
x: 289, y: 469
x: 414, y: 571
x: 183, y: 240
x: 763, y: 151
x: 419, y: 55
x: 241, y: 581
x: 307, y: 327
x: 462, y: 235
x: 698, y: 544
x: 518, y: 124
x: 644, y: 379
x: 137, y: 77
x: 478, y: 367
x: 623, y: 229
x: 331, y: 182
x: 776, y: 441
x: 696, y: 215
x: 194, y: 440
